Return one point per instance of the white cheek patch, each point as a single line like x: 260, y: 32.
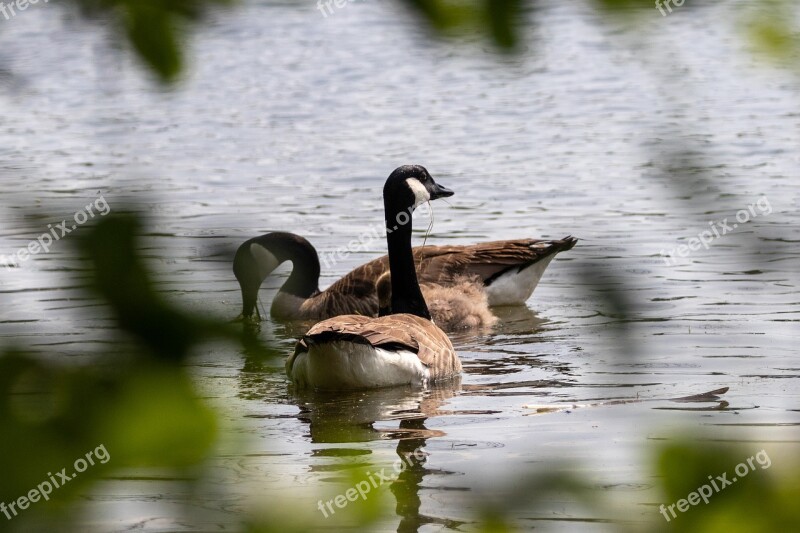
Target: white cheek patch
x: 421, y: 194
x: 265, y: 260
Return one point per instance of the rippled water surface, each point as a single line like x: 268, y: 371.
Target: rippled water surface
x: 633, y: 141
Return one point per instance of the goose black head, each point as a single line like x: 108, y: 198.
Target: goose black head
x: 411, y: 185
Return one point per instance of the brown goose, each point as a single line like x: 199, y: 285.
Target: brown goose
x: 508, y: 271
x: 406, y: 348
x: 457, y: 306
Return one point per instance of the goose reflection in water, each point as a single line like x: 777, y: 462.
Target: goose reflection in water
x: 350, y: 417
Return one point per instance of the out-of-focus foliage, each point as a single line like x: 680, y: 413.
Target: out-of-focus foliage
x: 122, y: 280
x: 772, y: 28
x: 155, y: 28
x: 765, y: 501
x: 359, y: 515
x: 497, y: 19
x: 626, y: 6
x: 139, y: 405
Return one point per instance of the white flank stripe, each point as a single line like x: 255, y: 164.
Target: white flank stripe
x: 346, y: 365
x: 514, y: 288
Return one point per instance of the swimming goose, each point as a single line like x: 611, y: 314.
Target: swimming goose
x: 509, y: 271
x: 406, y: 348
x: 460, y: 305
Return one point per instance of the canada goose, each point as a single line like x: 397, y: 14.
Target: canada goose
x: 356, y: 352
x: 509, y: 271
x: 460, y: 305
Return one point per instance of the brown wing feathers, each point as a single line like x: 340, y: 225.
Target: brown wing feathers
x: 436, y: 264
x: 441, y: 264
x: 352, y: 294
x: 444, y: 265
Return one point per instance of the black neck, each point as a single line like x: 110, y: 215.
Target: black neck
x: 304, y: 279
x: 406, y: 294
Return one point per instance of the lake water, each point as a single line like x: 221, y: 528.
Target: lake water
x: 634, y: 141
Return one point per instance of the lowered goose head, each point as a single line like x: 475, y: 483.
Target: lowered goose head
x: 258, y: 257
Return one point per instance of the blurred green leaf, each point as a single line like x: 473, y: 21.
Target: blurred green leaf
x: 154, y: 28
x: 758, y: 501
x: 771, y: 26
x: 625, y: 5
x: 157, y: 420
x: 141, y: 408
x: 499, y: 20
x: 121, y: 278
x: 502, y: 17
x: 153, y: 34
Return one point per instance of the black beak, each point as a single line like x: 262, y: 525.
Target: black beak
x: 440, y: 191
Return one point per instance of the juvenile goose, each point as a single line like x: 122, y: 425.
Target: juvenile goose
x: 406, y: 348
x: 508, y: 270
x: 462, y: 305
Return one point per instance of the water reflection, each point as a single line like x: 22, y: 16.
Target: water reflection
x: 407, y: 485
x: 350, y: 417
